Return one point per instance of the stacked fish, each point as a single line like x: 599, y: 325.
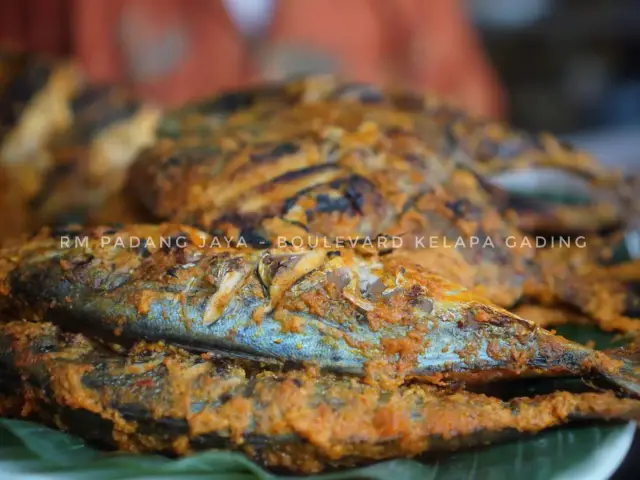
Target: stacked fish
x: 295, y: 306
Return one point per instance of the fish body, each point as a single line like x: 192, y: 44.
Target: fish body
x: 331, y: 168
x: 159, y: 399
x: 345, y: 313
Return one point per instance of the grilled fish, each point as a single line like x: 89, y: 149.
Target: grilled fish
x: 161, y: 400
x: 491, y: 146
x: 65, y: 146
x: 331, y: 169
x: 372, y: 317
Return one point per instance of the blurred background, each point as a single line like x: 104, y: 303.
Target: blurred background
x: 567, y: 66
x: 570, y: 67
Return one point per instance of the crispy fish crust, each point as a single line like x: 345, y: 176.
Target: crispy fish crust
x: 374, y: 317
x: 161, y: 400
x: 492, y: 146
x: 333, y: 169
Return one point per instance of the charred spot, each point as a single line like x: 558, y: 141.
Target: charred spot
x: 459, y: 207
x: 230, y: 102
x: 360, y: 191
x: 133, y: 412
x: 220, y: 226
x: 224, y: 398
x: 189, y: 156
x: 327, y: 204
x: 79, y: 262
x: 289, y: 203
x: 172, y: 272
x: 279, y: 151
x: 333, y: 153
x: 298, y: 224
x: 90, y: 426
x: 19, y: 92
x: 254, y: 239
x: 174, y: 425
x: 361, y: 92
x: 333, y: 254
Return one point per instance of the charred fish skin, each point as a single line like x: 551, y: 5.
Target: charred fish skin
x: 162, y: 400
x: 320, y: 169
x: 335, y: 309
x: 491, y: 147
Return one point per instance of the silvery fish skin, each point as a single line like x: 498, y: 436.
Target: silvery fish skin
x: 159, y: 399
x: 345, y: 313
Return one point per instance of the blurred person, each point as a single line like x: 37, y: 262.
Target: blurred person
x: 172, y: 51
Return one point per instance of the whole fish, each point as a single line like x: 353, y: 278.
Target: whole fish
x: 158, y: 399
x: 374, y: 317
x: 347, y: 170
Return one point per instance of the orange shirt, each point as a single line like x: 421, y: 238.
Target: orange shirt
x: 171, y: 51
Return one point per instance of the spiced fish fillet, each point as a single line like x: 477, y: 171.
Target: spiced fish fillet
x: 161, y: 400
x: 336, y: 309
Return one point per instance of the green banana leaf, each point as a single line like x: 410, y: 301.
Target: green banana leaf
x: 33, y: 449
